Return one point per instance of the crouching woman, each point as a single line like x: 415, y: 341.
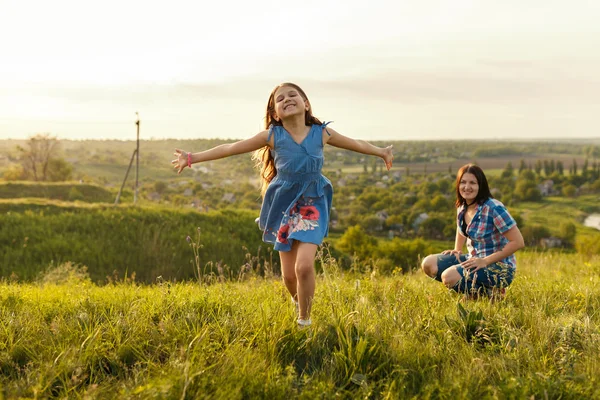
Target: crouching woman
x: 491, y: 235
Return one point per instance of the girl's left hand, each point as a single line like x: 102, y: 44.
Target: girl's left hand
x: 474, y: 264
x: 388, y: 156
x: 181, y: 161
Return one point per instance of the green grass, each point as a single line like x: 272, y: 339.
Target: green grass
x: 63, y: 191
x: 373, y: 337
x: 122, y: 240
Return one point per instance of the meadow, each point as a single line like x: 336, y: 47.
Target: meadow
x: 373, y: 337
x: 135, y: 302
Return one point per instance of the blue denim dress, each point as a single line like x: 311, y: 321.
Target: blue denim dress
x: 297, y: 202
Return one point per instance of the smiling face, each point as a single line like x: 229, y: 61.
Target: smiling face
x: 289, y: 103
x: 468, y: 187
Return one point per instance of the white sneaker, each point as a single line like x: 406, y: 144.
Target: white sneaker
x: 303, y: 323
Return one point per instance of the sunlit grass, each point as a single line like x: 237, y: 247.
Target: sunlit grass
x: 373, y: 337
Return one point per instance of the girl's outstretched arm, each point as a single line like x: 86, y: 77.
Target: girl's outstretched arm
x: 360, y: 146
x: 221, y: 151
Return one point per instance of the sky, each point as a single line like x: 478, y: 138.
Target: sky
x: 381, y: 70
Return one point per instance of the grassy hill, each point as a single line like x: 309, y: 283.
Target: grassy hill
x: 124, y: 240
x: 65, y: 191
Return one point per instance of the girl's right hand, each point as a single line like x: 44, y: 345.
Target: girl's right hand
x: 181, y: 161
x: 388, y: 156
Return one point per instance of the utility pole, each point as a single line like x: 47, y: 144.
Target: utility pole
x: 137, y: 158
x: 136, y: 153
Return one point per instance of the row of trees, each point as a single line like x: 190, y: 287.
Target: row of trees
x: 552, y: 167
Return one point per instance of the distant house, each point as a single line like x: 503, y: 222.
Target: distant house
x: 380, y: 185
x: 398, y: 228
x: 188, y: 192
x: 419, y: 220
x: 546, y: 188
x: 382, y: 215
x: 228, y: 197
x: 551, y: 242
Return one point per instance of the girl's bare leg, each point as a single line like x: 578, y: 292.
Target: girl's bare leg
x: 288, y: 271
x: 305, y: 275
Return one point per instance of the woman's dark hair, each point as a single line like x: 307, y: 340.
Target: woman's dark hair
x: 484, y: 189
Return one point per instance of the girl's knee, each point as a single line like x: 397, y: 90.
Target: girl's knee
x: 429, y: 265
x: 304, y: 270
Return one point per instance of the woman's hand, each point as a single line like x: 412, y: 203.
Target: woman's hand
x: 456, y: 253
x: 181, y: 161
x: 388, y: 156
x: 474, y: 264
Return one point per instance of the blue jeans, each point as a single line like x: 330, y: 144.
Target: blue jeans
x: 497, y: 275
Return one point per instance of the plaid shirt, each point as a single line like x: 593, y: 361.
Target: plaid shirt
x: 485, y: 231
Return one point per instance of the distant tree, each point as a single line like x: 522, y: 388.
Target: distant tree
x: 567, y: 231
x: 59, y: 170
x: 527, y: 175
x: 508, y: 171
x: 560, y: 167
x: 547, y: 168
x: 574, y: 167
x: 161, y: 186
x: 444, y: 185
x: 527, y: 190
x: 532, y: 234
x: 14, y: 172
x: 355, y: 241
x: 371, y: 223
x: 584, y: 169
x: 538, y: 167
x: 569, y: 190
x: 37, y: 159
x: 522, y: 166
x: 440, y: 203
x: 433, y: 227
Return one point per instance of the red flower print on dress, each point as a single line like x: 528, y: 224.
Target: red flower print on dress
x: 283, y: 233
x: 309, y: 212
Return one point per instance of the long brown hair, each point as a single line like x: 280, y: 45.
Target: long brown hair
x: 484, y: 189
x: 264, y: 159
